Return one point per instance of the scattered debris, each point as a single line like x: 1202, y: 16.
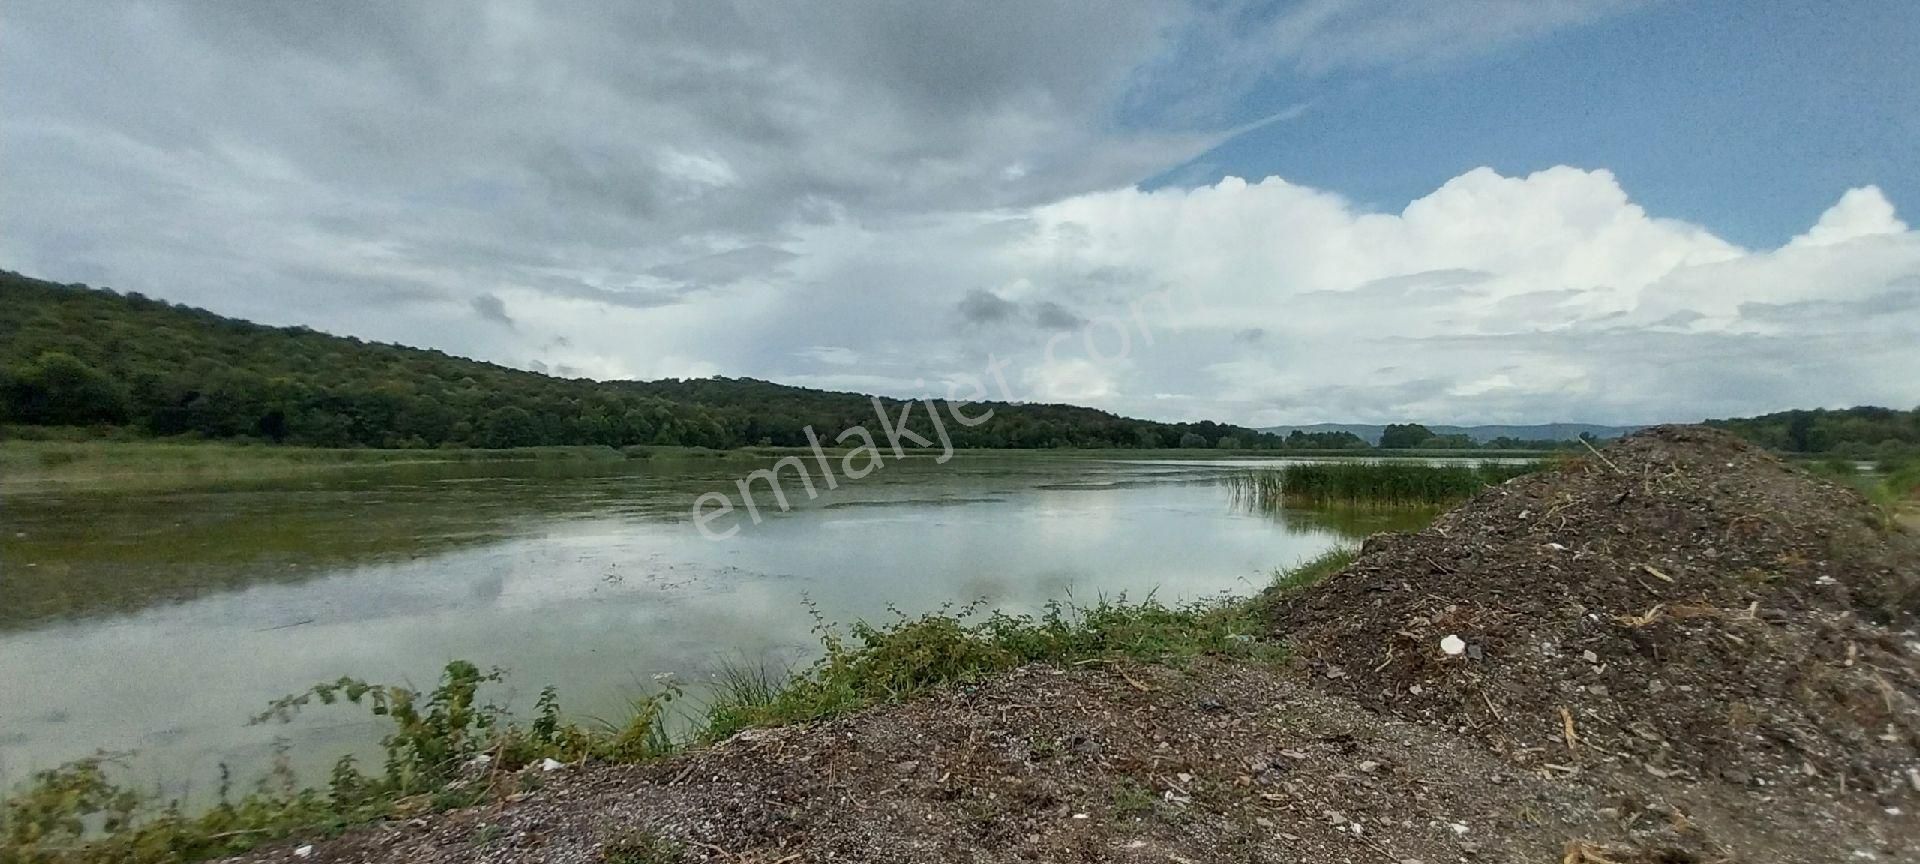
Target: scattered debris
x: 1726, y: 611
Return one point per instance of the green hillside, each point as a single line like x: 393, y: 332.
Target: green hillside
x: 71, y: 355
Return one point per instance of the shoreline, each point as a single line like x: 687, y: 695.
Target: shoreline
x: 29, y: 466
x: 1580, y: 630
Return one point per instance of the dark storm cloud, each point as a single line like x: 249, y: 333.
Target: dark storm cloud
x: 1053, y: 316
x: 981, y: 306
x: 490, y: 308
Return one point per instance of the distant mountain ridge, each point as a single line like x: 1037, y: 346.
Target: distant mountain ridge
x: 1480, y: 434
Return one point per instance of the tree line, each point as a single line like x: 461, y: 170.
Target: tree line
x: 71, y: 355
x: 1865, y: 432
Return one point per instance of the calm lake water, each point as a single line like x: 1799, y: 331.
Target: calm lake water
x: 157, y: 623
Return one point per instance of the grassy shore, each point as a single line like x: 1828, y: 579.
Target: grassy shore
x: 27, y: 465
x: 1893, y: 486
x: 79, y: 461
x: 448, y: 747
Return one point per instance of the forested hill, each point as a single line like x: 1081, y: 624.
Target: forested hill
x: 73, y: 355
x: 1853, y: 433
x: 77, y: 356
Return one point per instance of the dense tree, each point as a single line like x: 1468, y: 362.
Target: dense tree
x: 1326, y: 440
x: 57, y: 388
x: 1864, y: 433
x: 1404, y: 436
x: 510, y: 426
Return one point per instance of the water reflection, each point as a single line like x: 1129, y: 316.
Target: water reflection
x: 157, y: 623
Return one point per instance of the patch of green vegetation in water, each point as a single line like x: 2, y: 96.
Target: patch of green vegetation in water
x: 1371, y: 484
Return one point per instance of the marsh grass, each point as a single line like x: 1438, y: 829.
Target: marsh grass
x: 1370, y: 484
x: 1312, y: 571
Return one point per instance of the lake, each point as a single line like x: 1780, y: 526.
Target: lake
x: 156, y: 623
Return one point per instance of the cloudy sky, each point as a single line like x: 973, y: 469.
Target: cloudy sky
x: 1332, y: 210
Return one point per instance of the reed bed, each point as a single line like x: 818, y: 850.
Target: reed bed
x: 1370, y: 484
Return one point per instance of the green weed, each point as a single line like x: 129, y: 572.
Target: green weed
x: 1132, y: 800
x: 1370, y: 484
x: 1313, y: 570
x: 641, y: 847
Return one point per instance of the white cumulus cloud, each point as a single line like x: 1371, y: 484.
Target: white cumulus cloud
x: 1546, y: 296
x: 1861, y: 212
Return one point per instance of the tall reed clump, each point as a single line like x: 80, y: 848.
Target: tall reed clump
x: 449, y: 748
x: 1371, y: 484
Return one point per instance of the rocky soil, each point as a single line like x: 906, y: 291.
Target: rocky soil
x: 1680, y: 650
x: 1685, y: 605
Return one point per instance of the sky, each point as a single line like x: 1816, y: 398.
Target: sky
x: 1261, y: 213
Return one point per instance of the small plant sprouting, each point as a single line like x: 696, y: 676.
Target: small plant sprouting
x: 641, y: 847
x: 1132, y: 800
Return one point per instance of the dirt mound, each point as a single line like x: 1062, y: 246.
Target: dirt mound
x: 1682, y: 604
x: 1213, y: 763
